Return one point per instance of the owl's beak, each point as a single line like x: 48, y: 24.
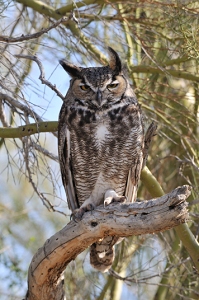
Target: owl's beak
x: 99, y: 97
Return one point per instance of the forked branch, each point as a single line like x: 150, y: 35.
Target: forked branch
x: 48, y: 264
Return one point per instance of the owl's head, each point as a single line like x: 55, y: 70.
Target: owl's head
x: 101, y: 87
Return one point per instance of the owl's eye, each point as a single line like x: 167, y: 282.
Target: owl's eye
x: 84, y: 87
x: 112, y: 85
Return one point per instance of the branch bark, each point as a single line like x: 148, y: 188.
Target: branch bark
x: 48, y: 264
x: 26, y: 130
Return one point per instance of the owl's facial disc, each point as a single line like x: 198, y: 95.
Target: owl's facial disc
x: 100, y: 96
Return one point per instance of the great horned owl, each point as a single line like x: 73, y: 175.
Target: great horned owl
x: 101, y: 144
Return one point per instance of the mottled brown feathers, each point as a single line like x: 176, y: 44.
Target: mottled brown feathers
x: 101, y: 144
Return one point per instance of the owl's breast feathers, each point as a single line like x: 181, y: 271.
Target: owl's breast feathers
x: 104, y: 147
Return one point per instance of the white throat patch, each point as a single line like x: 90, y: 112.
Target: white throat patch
x: 101, y: 133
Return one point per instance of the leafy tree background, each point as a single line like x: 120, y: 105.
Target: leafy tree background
x: 158, y: 43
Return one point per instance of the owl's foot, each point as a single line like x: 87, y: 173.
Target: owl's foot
x: 111, y: 196
x: 78, y: 213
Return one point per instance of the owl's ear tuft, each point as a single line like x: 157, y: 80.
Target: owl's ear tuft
x: 114, y: 63
x: 72, y: 70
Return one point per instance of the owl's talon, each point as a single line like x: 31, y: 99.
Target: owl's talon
x: 90, y: 207
x: 109, y: 200
x: 78, y: 213
x: 122, y: 199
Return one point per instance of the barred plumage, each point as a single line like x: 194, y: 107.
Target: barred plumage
x: 101, y: 143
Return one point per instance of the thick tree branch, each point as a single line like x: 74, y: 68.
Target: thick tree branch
x: 26, y: 130
x: 41, y: 7
x: 48, y: 264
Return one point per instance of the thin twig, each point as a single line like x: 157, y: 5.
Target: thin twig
x: 133, y: 278
x: 3, y: 115
x: 184, y: 161
x: 42, y: 74
x: 34, y: 35
x: 29, y: 112
x: 43, y: 150
x: 46, y: 202
x: 21, y: 106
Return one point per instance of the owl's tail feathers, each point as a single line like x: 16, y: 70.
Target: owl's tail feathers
x: 102, y: 253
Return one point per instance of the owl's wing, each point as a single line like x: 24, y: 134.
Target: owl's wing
x: 138, y: 164
x: 133, y: 179
x: 65, y: 162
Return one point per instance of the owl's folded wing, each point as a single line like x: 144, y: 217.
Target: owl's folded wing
x: 138, y: 164
x: 65, y: 164
x: 133, y: 179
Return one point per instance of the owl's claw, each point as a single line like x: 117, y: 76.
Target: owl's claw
x: 78, y: 213
x: 109, y: 200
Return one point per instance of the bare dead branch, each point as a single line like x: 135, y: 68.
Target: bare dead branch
x: 27, y: 37
x: 44, y: 151
x: 42, y: 74
x: 48, y: 264
x: 133, y: 278
x: 46, y: 202
x: 187, y: 161
x: 26, y: 130
x: 3, y: 115
x: 24, y: 108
